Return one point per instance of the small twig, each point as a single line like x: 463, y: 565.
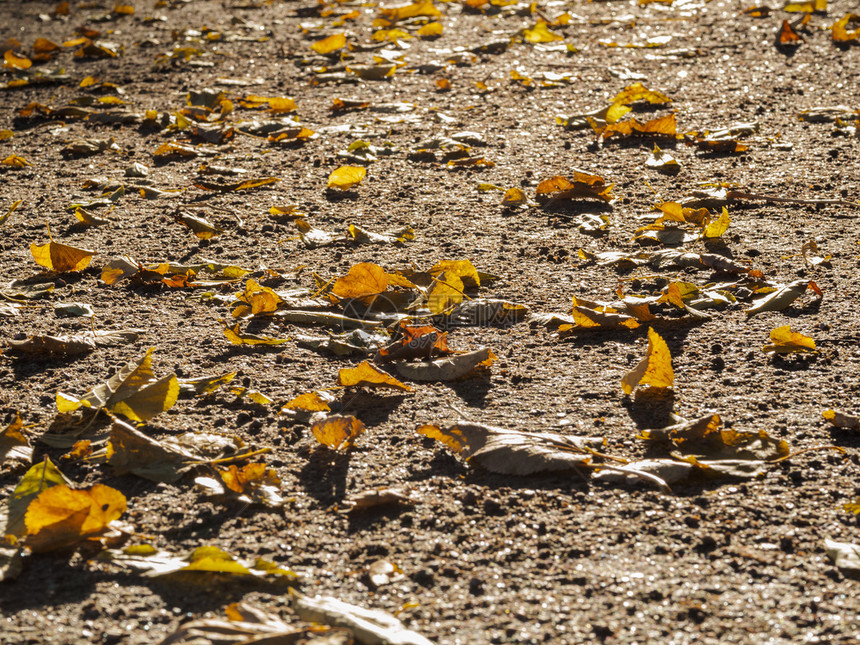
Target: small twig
x: 736, y: 194
x: 805, y: 450
x: 246, y: 455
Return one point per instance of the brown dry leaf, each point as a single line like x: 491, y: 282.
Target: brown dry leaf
x: 331, y: 44
x: 363, y: 280
x: 366, y: 375
x: 654, y: 371
x: 842, y: 420
x: 583, y: 186
x: 131, y: 451
x: 511, y: 452
x: 787, y: 36
x: 61, y: 517
x: 73, y: 345
x: 338, y: 432
x: 447, y: 369
x: 785, y: 341
x: 15, y: 448
x: 781, y: 298
x: 253, y: 483
x: 346, y: 177
x: 201, y: 227
x: 134, y: 392
x: 415, y: 342
x: 374, y: 499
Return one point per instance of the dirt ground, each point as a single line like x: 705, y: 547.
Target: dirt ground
x: 479, y: 557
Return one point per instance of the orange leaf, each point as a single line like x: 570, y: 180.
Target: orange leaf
x: 338, y: 432
x: 60, y: 516
x: 363, y: 279
x: 787, y: 35
x: 13, y: 61
x: 308, y: 402
x: 366, y: 375
x: 61, y: 258
x: 330, y: 44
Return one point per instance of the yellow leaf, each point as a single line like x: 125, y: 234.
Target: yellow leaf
x: 88, y: 218
x: 262, y: 300
x: 201, y: 227
x: 785, y: 341
x: 514, y: 197
x: 718, y: 226
x: 390, y: 34
x: 364, y: 279
x: 431, y: 30
x: 655, y: 370
x: 420, y: 8
x: 11, y: 210
x: 638, y: 92
x: 308, y: 402
x: 366, y: 375
x: 15, y: 161
x: 61, y: 516
x: 330, y: 44
x: 13, y: 61
x: 541, y: 33
x: 346, y: 177
x: 839, y: 30
x: 61, y: 258
x: 446, y: 292
x: 463, y: 269
x: 338, y: 432
x: 238, y: 338
x: 451, y: 437
x: 121, y: 9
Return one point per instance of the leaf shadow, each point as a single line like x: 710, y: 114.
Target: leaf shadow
x: 650, y: 411
x: 324, y: 476
x: 473, y: 392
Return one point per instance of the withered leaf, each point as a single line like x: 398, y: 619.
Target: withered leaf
x: 374, y: 499
x: 337, y: 432
x: 654, y: 371
x: 61, y: 517
x: 446, y: 369
x: 785, y: 341
x: 779, y: 299
x: 842, y: 420
x: 511, y: 452
x: 366, y: 375
x: 134, y: 392
x: 15, y: 448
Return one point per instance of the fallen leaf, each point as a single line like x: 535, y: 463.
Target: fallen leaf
x: 363, y: 279
x: 73, y: 345
x: 446, y: 369
x: 134, y: 392
x: 638, y: 93
x: 37, y: 479
x: 540, y: 33
x: 15, y: 448
x: 845, y: 555
x: 430, y: 30
x: 514, y: 197
x: 779, y: 299
x: 330, y: 44
x: 839, y: 30
x: 239, y: 338
x: 718, y: 226
x: 11, y: 210
x: 346, y: 177
x: 583, y: 186
x: 787, y: 36
x: 201, y: 227
x: 360, y: 235
x: 310, y: 402
x: 15, y: 161
x: 61, y: 517
x: 366, y: 375
x: 251, y: 484
x: 375, y: 498
x: 203, y: 384
x: 338, y: 432
x: 662, y: 160
x: 842, y: 420
x: 194, y: 567
x: 785, y: 341
x: 653, y: 371
x: 368, y: 625
x: 511, y: 452
x: 420, y: 8
x: 60, y: 257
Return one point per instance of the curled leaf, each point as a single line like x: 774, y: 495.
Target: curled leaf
x: 366, y: 375
x: 655, y: 370
x: 338, y: 432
